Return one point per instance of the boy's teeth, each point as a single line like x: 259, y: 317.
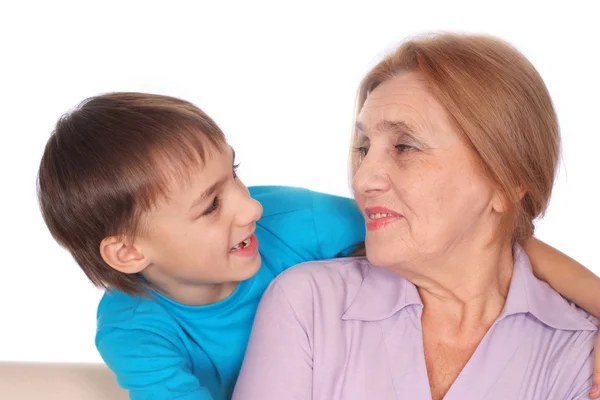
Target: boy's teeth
x: 242, y: 245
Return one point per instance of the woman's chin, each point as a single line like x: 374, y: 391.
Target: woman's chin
x: 382, y: 256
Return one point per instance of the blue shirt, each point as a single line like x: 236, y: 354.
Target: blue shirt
x: 161, y: 349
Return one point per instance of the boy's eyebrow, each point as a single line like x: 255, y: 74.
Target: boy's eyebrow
x: 212, y: 189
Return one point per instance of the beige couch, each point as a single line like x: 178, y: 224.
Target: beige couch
x: 46, y: 381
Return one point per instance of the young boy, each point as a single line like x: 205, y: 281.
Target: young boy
x: 142, y: 190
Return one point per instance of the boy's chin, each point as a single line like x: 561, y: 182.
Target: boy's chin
x: 247, y: 268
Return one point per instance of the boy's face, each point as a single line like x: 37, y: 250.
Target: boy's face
x: 204, y: 233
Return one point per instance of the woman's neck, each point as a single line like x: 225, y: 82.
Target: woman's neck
x: 467, y: 288
x: 463, y: 294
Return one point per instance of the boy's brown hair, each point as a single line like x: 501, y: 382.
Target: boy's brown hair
x: 107, y: 162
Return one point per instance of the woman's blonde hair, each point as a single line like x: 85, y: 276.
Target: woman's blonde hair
x: 499, y: 104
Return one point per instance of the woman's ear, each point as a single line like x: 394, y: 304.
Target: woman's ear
x: 123, y: 255
x: 522, y: 191
x: 499, y: 200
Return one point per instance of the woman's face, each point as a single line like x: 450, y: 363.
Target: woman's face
x: 418, y: 184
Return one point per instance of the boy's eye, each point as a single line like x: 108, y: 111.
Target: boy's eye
x: 215, y: 203
x: 213, y: 207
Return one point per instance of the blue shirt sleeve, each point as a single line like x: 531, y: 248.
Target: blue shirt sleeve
x: 148, y: 365
x: 339, y: 225
x: 300, y: 225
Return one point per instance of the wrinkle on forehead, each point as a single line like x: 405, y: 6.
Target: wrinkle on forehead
x: 407, y: 99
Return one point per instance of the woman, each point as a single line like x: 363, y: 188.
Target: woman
x: 455, y: 153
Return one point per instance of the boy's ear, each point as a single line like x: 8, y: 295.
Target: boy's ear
x: 122, y: 255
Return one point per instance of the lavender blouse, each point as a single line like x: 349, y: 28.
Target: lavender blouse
x: 345, y: 329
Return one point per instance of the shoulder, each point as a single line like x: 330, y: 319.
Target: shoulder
x: 573, y: 344
x: 572, y: 358
x: 348, y: 269
x: 311, y: 295
x: 118, y: 310
x: 330, y: 282
x: 539, y: 299
x: 560, y: 337
x: 127, y: 323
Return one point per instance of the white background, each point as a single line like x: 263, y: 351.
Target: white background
x: 280, y: 79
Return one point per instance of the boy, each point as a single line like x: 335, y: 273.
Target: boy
x: 142, y: 190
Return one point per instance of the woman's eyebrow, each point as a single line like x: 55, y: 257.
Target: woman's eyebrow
x: 399, y: 128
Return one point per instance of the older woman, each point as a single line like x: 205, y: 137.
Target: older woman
x: 456, y: 147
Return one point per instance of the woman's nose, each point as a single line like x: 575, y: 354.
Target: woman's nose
x: 371, y: 177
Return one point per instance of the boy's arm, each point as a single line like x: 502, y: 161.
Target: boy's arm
x: 149, y: 366
x: 339, y: 225
x: 573, y: 281
x: 569, y: 278
x: 300, y: 225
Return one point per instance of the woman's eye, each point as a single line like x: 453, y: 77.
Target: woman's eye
x: 403, y: 148
x: 213, y: 207
x: 362, y: 151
